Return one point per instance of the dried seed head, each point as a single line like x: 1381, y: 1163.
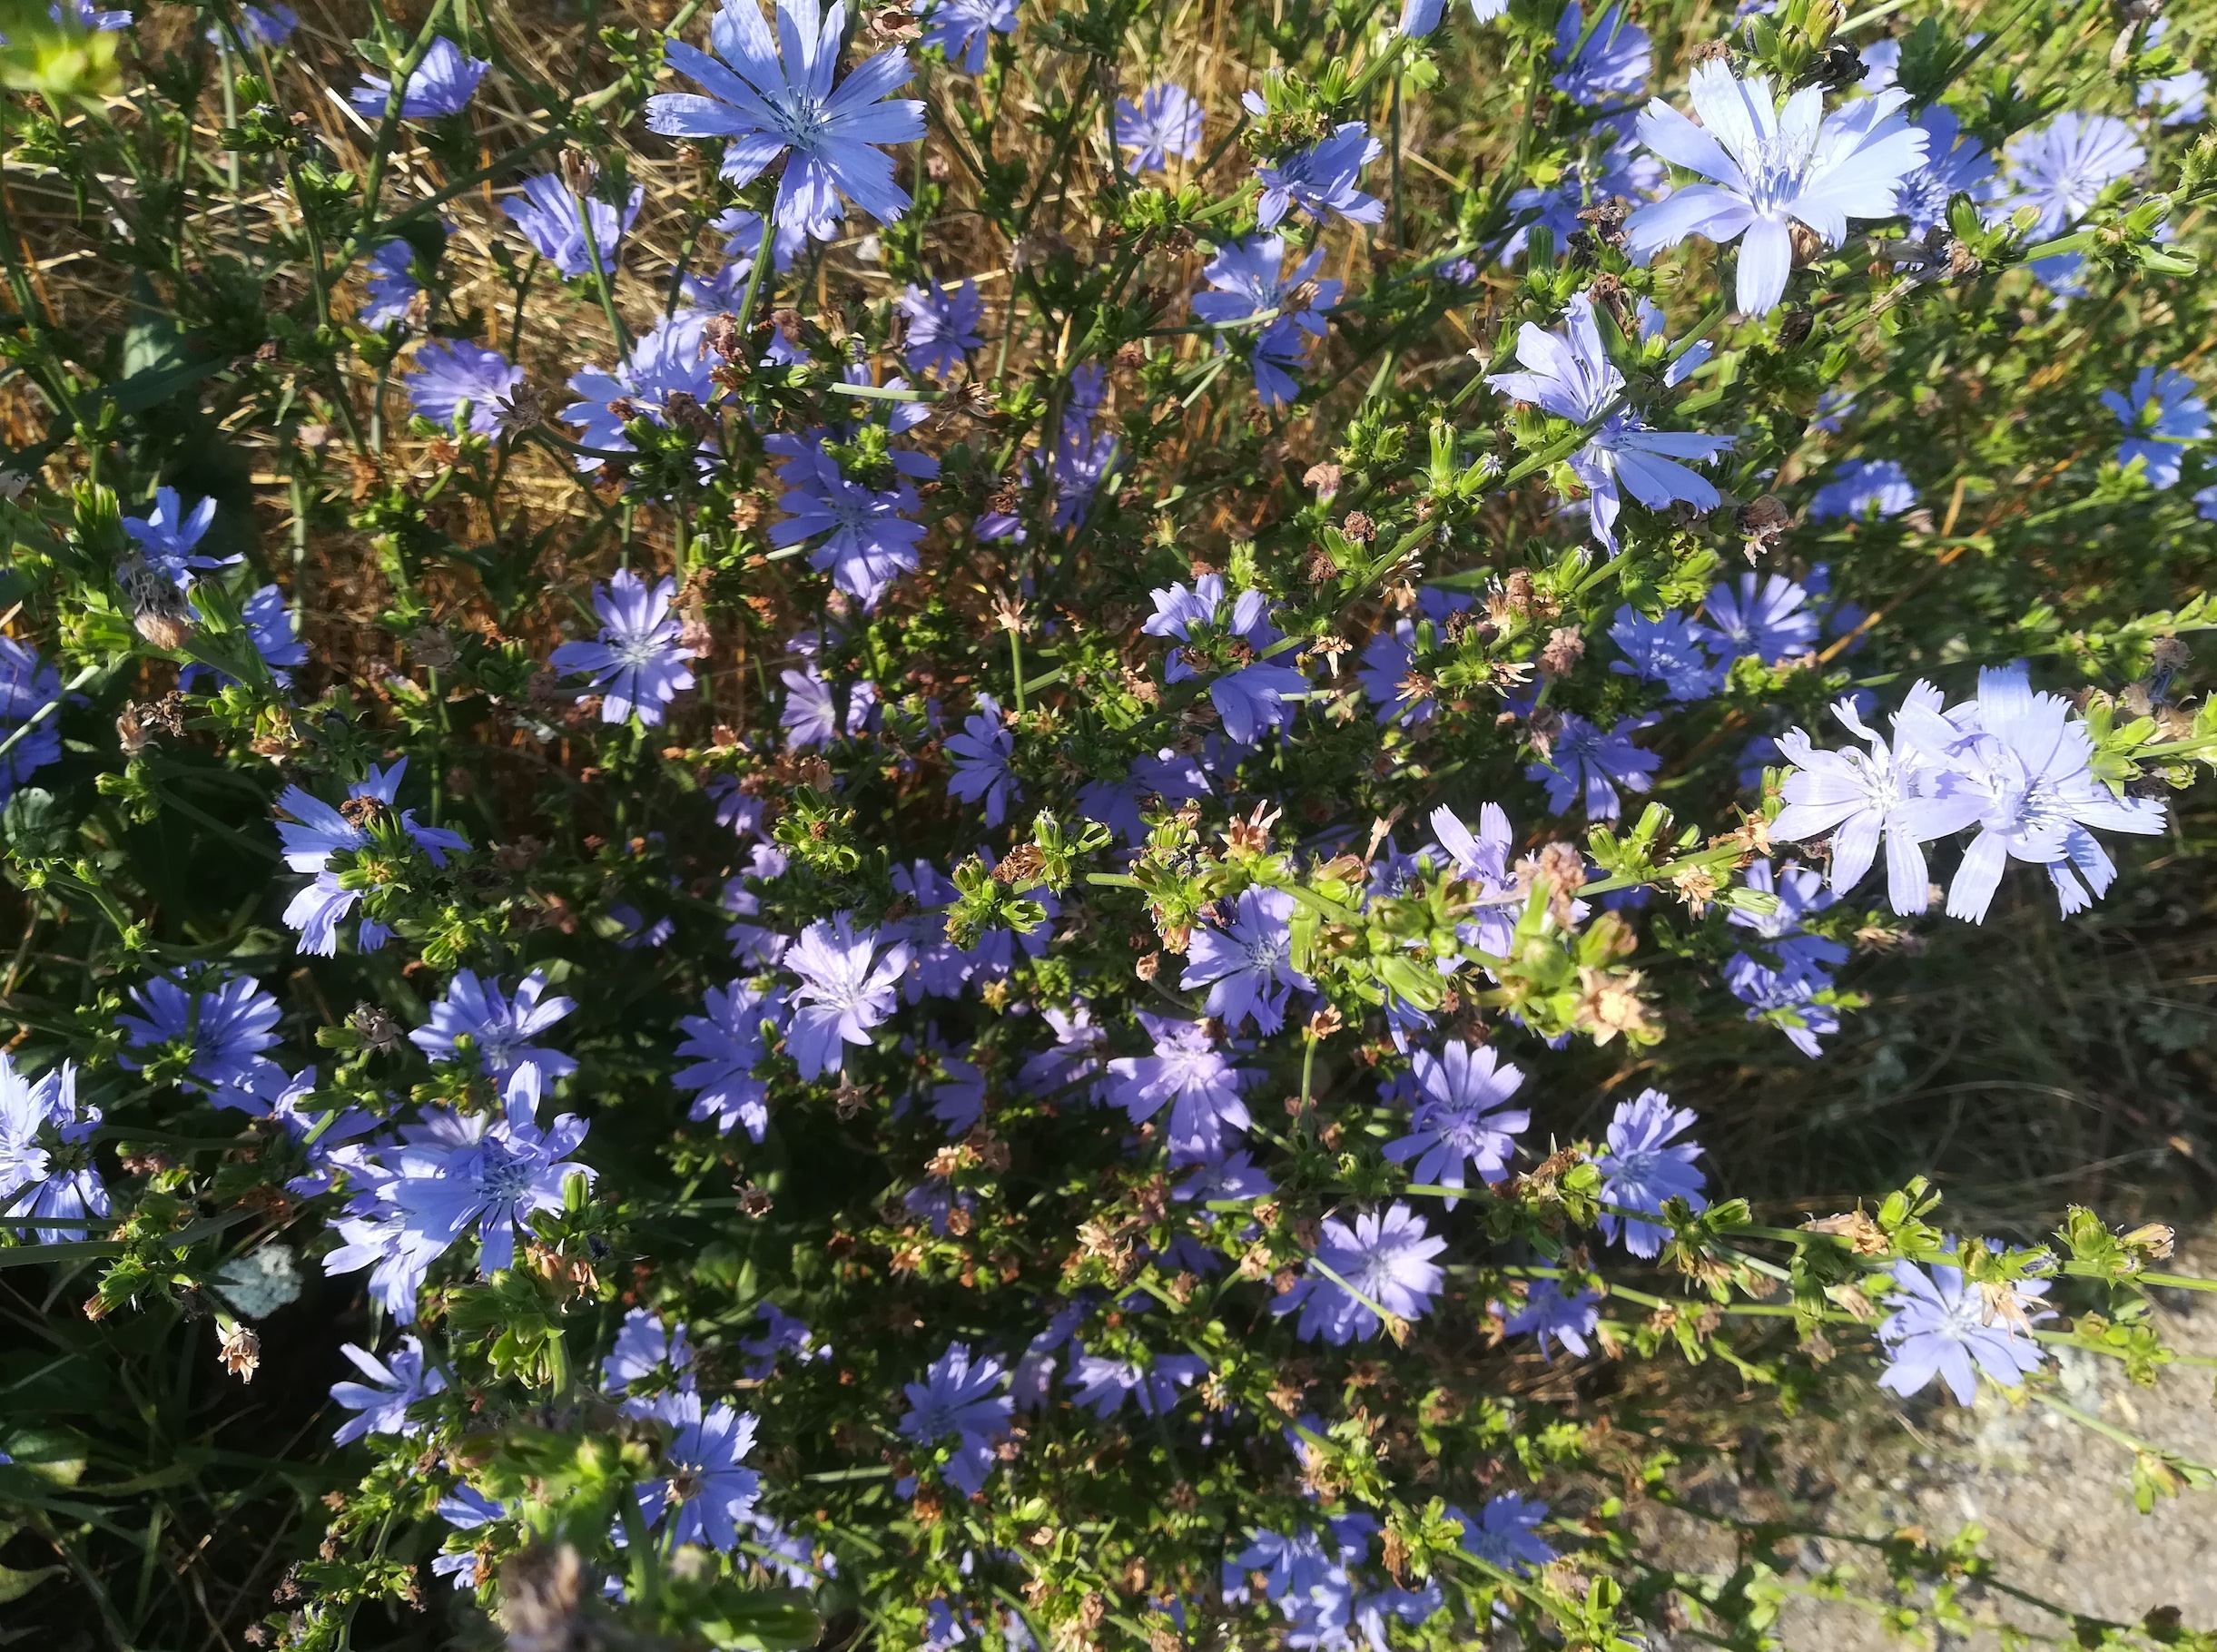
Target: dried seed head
x: 239, y: 1351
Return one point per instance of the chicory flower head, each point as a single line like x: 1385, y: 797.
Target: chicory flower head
x: 451, y: 371
x: 1569, y: 375
x: 503, y: 1030
x: 963, y: 29
x: 1165, y: 121
x: 1770, y: 168
x: 637, y: 663
x: 1647, y: 1164
x: 1384, y: 1261
x: 443, y: 84
x: 555, y: 221
x: 767, y: 106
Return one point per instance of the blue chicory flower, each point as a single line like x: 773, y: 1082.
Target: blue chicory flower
x: 449, y: 372
x: 1105, y: 1383
x: 1646, y: 1163
x: 1613, y: 62
x: 706, y: 1496
x: 830, y: 135
x: 555, y: 221
x: 960, y: 1397
x: 2163, y: 415
x: 503, y: 1030
x: 729, y: 1044
x: 1546, y: 1312
x: 443, y: 84
x: 645, y: 1349
x: 1864, y: 490
x: 28, y: 686
x: 981, y: 752
x: 963, y: 29
x: 169, y: 536
x: 396, y: 1382
x: 2033, y: 761
x: 1383, y: 1261
x: 1770, y: 168
x: 1955, y: 163
x: 1569, y: 375
x: 637, y: 663
x: 225, y: 1027
x: 669, y: 365
x: 47, y: 1170
x: 1586, y: 764
x: 1165, y: 121
x: 318, y: 831
x: 1321, y: 178
x: 1667, y: 650
x: 1906, y: 793
x: 1188, y: 1071
x: 1943, y: 1326
x: 847, y: 987
x: 1769, y: 620
x: 942, y: 324
x: 1460, y: 1119
x: 1502, y: 1534
x: 391, y: 288
x: 1242, y: 962
x: 1245, y: 279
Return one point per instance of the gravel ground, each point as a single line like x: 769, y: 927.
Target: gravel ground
x: 2054, y: 1496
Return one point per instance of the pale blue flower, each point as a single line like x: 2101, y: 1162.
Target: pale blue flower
x: 961, y: 1397
x: 391, y: 288
x: 847, y: 987
x: 450, y: 371
x: 1771, y: 168
x: 2034, y: 761
x: 1666, y: 650
x: 168, y: 537
x: 1769, y: 618
x: 963, y: 29
x: 943, y: 324
x: 1614, y: 62
x: 2061, y: 169
x: 1863, y: 490
x: 1321, y: 178
x: 1502, y: 1534
x: 2163, y: 415
x: 226, y: 1028
x: 27, y: 685
x: 706, y: 1495
x: 503, y: 1030
x: 1569, y: 375
x: 396, y: 1382
x: 1546, y: 1312
x: 669, y: 361
x: 1188, y: 1071
x: 830, y: 137
x: 1242, y: 962
x: 1587, y: 765
x: 1383, y: 1261
x: 637, y: 663
x: 1645, y: 1165
x: 1165, y: 121
x: 1460, y: 1119
x: 46, y: 1169
x: 554, y: 221
x: 1943, y: 1325
x: 443, y: 84
x: 981, y: 753
x: 729, y: 1044
x: 1955, y: 163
